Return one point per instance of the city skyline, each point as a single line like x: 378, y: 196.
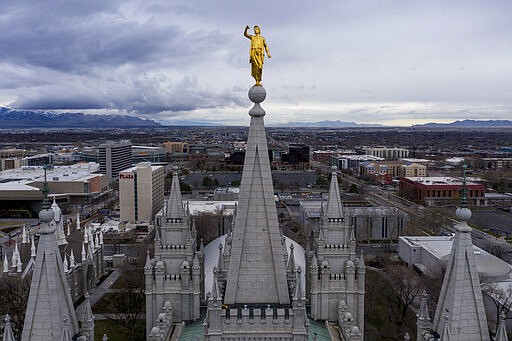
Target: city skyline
x: 397, y: 63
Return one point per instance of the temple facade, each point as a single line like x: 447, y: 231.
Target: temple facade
x: 174, y: 276
x: 336, y: 274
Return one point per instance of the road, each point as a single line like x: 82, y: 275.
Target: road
x: 480, y: 238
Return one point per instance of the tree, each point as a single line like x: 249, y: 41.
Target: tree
x: 207, y: 225
x: 207, y: 182
x: 13, y: 301
x: 353, y: 189
x: 501, y: 299
x: 185, y: 188
x: 126, y: 305
x: 406, y: 286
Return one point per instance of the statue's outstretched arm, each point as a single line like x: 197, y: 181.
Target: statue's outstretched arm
x: 247, y: 35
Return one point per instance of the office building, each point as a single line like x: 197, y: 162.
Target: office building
x: 114, y: 157
x: 141, y: 192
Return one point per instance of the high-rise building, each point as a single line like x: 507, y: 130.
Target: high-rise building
x: 114, y: 157
x: 141, y: 192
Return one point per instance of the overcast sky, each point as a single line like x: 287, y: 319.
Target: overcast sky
x: 388, y: 62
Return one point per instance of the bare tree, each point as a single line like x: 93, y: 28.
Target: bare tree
x: 13, y: 301
x: 207, y: 225
x: 406, y: 286
x: 501, y: 299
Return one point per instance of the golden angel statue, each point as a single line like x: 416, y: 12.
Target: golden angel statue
x: 257, y: 53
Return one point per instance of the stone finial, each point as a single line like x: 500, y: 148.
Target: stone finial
x: 148, y: 266
x: 423, y: 314
x: 6, y: 264
x: 65, y: 263
x: 8, y: 334
x: 501, y: 330
x: 104, y: 338
x: 14, y: 260
x: 24, y: 236
x: 78, y: 221
x: 66, y: 334
x: 446, y: 334
x: 72, y: 262
x: 84, y: 255
x: 32, y: 247
x: 291, y: 260
x: 407, y: 337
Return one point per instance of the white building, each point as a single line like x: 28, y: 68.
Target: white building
x: 141, y: 192
x: 388, y: 153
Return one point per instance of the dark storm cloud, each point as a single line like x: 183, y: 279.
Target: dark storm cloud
x: 362, y: 60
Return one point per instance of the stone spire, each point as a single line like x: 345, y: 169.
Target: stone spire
x: 446, y: 334
x: 175, y: 203
x: 334, y: 207
x: 423, y: 322
x: 58, y: 220
x: 8, y: 334
x: 256, y: 264
x: 6, y: 264
x: 291, y: 260
x: 49, y: 299
x: 78, y: 221
x: 32, y: 247
x: 24, y: 235
x: 84, y: 254
x: 461, y: 293
x: 66, y: 334
x: 501, y: 332
x: 88, y: 320
x: 72, y: 262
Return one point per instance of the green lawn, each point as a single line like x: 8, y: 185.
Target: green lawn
x: 114, y: 331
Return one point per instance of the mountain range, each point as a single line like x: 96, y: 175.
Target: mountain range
x: 468, y: 124
x: 17, y: 118
x: 325, y: 124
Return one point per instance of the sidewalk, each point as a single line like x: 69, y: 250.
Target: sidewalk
x: 99, y: 291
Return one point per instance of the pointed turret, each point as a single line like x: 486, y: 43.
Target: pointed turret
x: 291, y: 261
x: 72, y: 261
x: 88, y: 320
x: 66, y: 334
x: 220, y: 260
x: 84, y: 255
x: 65, y: 264
x: 58, y: 221
x: 49, y: 298
x: 24, y: 235
x: 6, y: 264
x: 148, y: 266
x: 15, y: 256
x: 334, y: 207
x: 446, y: 334
x: 8, y: 334
x: 78, y: 221
x: 501, y: 332
x: 32, y: 247
x: 256, y: 263
x: 175, y: 202
x: 423, y: 323
x: 461, y: 293
x: 299, y: 291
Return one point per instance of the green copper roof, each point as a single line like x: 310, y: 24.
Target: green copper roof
x: 322, y: 334
x: 195, y: 329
